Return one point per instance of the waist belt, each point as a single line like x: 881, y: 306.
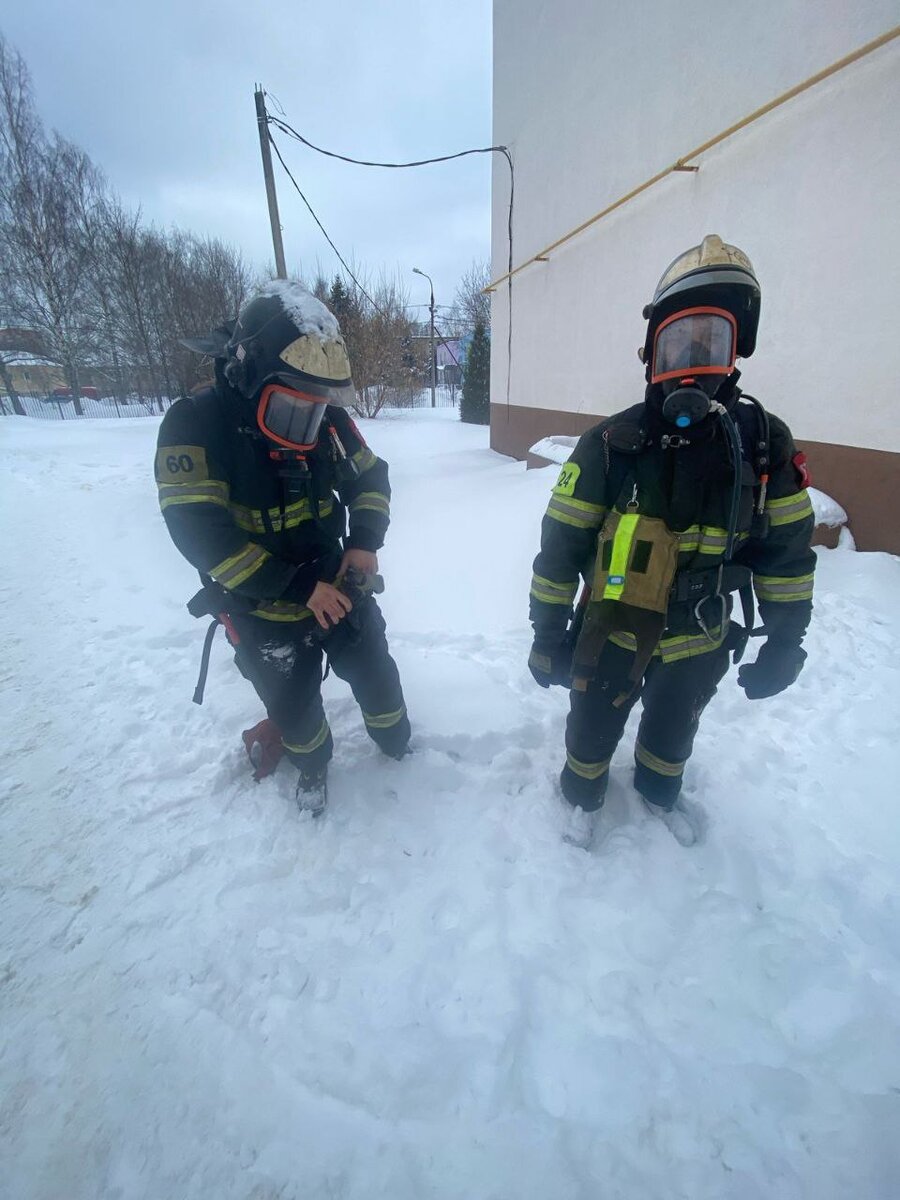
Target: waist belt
x: 692, y: 586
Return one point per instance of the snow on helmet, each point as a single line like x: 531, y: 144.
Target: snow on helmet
x: 285, y: 335
x: 286, y: 354
x: 712, y: 274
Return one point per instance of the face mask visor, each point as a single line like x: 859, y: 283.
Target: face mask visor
x: 697, y: 341
x: 290, y: 417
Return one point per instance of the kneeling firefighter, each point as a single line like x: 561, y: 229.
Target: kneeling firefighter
x: 256, y: 474
x: 665, y: 510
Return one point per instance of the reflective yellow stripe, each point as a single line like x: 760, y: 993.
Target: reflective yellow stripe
x: 375, y: 501
x: 621, y: 549
x: 205, y: 487
x: 626, y: 641
x: 689, y: 539
x: 709, y: 540
x: 788, y: 509
x: 659, y: 765
x: 206, y: 491
x: 281, y: 610
x: 672, y: 649
x: 779, y: 588
x: 308, y: 747
x: 549, y: 592
x: 579, y: 513
x: 587, y: 770
x: 193, y: 498
x: 251, y: 519
x: 364, y: 459
x: 384, y: 720
x: 691, y: 645
x: 233, y: 571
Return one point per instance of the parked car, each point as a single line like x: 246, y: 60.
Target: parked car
x: 65, y: 393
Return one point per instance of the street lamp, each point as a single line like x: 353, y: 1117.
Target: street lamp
x: 416, y: 271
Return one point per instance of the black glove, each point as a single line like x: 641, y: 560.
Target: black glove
x: 551, y: 662
x: 777, y: 666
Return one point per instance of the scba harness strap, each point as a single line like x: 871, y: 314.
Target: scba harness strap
x: 636, y: 575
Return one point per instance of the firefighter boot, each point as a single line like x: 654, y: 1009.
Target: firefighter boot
x: 312, y: 792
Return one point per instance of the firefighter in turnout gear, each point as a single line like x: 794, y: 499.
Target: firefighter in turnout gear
x: 258, y: 475
x: 667, y: 511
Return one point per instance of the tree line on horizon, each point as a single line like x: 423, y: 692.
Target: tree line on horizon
x: 94, y: 289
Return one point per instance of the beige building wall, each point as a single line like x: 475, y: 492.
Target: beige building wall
x: 593, y: 98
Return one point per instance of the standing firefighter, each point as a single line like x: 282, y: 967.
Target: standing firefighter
x: 255, y: 476
x: 665, y: 510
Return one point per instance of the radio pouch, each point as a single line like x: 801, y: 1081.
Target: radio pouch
x: 637, y: 557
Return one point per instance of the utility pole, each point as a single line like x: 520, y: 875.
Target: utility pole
x: 266, y: 150
x: 416, y: 271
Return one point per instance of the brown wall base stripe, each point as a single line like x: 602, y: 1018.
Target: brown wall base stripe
x: 864, y: 482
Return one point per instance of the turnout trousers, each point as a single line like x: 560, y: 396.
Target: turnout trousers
x: 673, y: 695
x: 284, y: 664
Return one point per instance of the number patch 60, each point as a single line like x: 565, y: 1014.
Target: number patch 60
x: 177, y: 465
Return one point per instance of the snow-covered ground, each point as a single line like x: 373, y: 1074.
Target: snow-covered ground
x: 427, y: 993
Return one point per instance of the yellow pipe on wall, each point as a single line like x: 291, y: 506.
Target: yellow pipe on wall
x: 681, y: 164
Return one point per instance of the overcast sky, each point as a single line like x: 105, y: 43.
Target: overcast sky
x: 160, y: 95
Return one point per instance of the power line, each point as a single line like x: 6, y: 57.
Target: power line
x: 341, y: 258
x: 359, y: 162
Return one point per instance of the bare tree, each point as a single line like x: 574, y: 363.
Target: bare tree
x: 90, y: 282
x: 387, y: 369
x: 48, y: 190
x: 471, y: 306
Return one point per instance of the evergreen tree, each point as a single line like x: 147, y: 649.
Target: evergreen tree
x: 475, y: 406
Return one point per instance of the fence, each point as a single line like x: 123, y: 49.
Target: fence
x: 55, y: 408
x: 59, y: 408
x: 445, y: 396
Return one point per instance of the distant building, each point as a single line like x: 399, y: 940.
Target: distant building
x: 593, y: 98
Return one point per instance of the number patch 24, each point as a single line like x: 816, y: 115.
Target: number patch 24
x: 568, y: 477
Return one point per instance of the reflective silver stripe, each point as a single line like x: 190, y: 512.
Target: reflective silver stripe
x: 585, y: 770
x: 384, y: 720
x: 690, y: 645
x: 281, y: 610
x: 308, y: 747
x: 549, y: 592
x: 671, y: 649
x: 375, y: 501
x: 788, y: 509
x: 575, y: 512
x: 232, y: 572
x: 659, y: 765
x: 251, y: 519
x: 783, y: 588
x: 711, y: 539
x: 208, y: 492
x: 364, y: 459
x: 208, y: 487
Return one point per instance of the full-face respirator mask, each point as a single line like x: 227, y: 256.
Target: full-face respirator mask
x: 693, y: 355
